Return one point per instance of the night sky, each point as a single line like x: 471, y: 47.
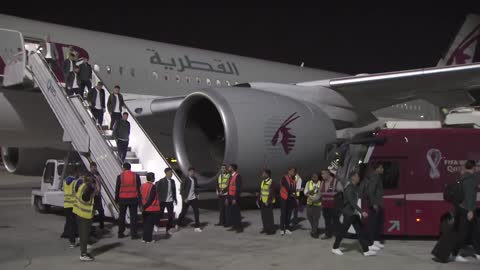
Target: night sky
x: 338, y: 39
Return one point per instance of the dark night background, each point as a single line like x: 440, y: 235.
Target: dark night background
x: 345, y: 40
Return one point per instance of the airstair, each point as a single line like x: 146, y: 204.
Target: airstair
x: 92, y: 141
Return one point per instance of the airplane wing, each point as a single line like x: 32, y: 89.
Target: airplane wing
x: 443, y: 86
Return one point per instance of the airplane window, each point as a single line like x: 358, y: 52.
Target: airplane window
x: 109, y: 69
x: 120, y: 70
x: 132, y: 72
x: 208, y: 82
x: 166, y: 77
x: 228, y: 83
x: 96, y: 68
x: 199, y: 81
x: 155, y: 75
x: 187, y: 79
x: 218, y: 83
x: 177, y: 78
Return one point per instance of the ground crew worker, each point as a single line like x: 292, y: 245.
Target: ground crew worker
x: 374, y: 194
x: 222, y: 193
x: 233, y: 200
x: 351, y: 216
x: 287, y: 200
x: 83, y: 208
x: 267, y: 200
x: 70, y: 228
x: 151, y: 207
x: 127, y: 194
x: 465, y: 213
x: 298, y: 203
x: 314, y: 203
x: 331, y: 213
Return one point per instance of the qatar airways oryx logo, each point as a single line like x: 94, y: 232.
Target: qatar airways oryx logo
x: 461, y: 54
x: 283, y: 134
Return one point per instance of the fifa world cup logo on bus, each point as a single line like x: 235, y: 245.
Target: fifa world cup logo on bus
x: 284, y: 136
x: 434, y: 157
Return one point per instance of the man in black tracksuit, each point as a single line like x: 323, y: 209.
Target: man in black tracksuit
x: 189, y: 192
x: 168, y: 197
x: 465, y: 212
x: 351, y: 216
x: 374, y: 194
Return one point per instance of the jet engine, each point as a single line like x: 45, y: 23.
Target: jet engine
x: 252, y: 128
x: 28, y: 161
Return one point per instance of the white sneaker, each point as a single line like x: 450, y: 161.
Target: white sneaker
x: 460, y: 259
x: 373, y: 248
x: 143, y: 241
x: 169, y: 232
x: 86, y: 257
x: 477, y: 256
x: 369, y: 253
x: 282, y: 233
x: 378, y: 244
x: 288, y: 232
x: 337, y: 251
x: 197, y: 230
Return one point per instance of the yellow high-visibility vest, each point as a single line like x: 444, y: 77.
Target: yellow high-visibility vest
x: 68, y: 196
x: 297, y: 178
x: 81, y: 208
x: 223, y: 181
x: 311, y: 188
x: 265, y: 190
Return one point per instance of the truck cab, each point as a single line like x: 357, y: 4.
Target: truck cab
x: 419, y: 163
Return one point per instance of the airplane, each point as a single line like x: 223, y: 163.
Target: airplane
x: 207, y: 108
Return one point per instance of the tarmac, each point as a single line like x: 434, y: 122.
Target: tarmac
x: 31, y: 240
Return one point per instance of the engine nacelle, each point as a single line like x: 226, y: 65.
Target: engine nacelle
x: 28, y: 161
x: 252, y: 128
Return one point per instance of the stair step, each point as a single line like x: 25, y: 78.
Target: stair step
x: 132, y: 160
x: 137, y: 167
x: 141, y: 173
x: 131, y: 154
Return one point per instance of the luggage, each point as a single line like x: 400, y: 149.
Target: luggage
x: 446, y: 243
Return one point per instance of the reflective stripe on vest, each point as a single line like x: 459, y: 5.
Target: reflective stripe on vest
x: 81, y: 208
x: 284, y: 191
x: 128, y: 185
x: 146, y: 188
x: 265, y: 190
x: 223, y: 181
x: 232, y: 185
x: 312, y: 188
x: 68, y: 196
x: 328, y: 194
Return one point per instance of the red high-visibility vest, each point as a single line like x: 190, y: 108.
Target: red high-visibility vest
x: 128, y: 185
x: 146, y: 188
x: 328, y: 194
x: 232, y: 185
x: 284, y: 191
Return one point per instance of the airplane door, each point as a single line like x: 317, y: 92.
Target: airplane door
x: 394, y: 188
x: 12, y: 57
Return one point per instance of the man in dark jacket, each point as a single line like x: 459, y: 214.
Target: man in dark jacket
x: 85, y: 75
x: 114, y: 105
x: 374, y: 195
x: 127, y: 194
x: 233, y: 199
x: 351, y: 216
x: 96, y: 100
x: 465, y: 212
x: 189, y: 192
x: 121, y: 134
x: 287, y: 200
x: 167, y: 193
x: 73, y: 83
